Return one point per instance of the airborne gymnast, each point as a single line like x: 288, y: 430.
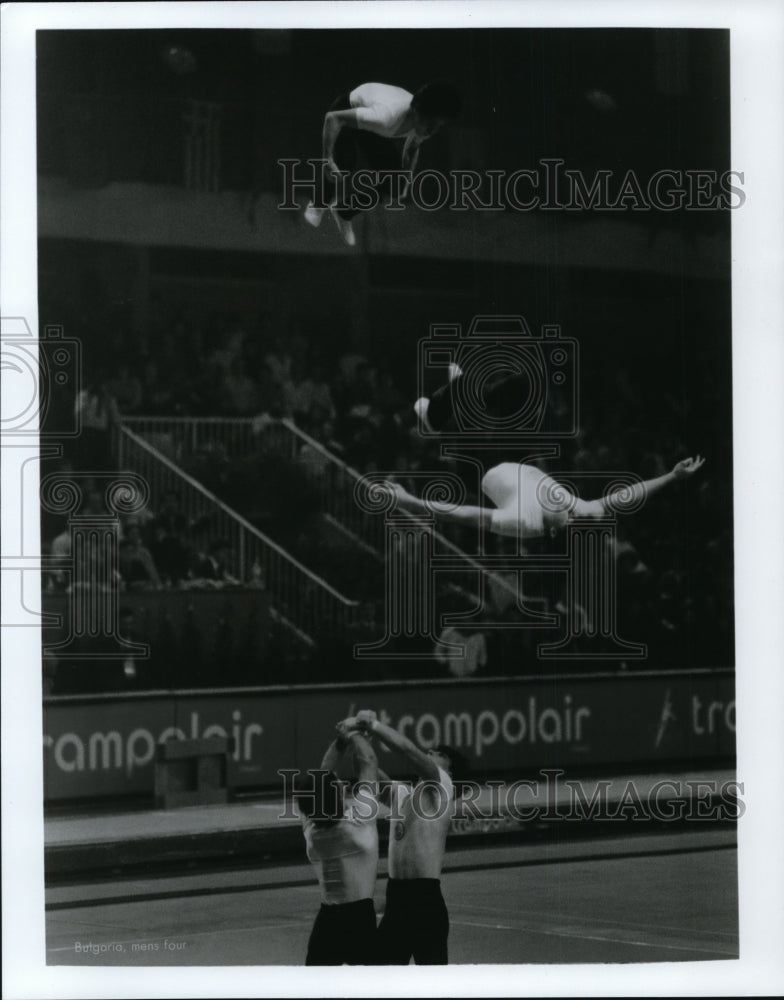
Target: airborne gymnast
x: 362, y: 129
x: 528, y: 502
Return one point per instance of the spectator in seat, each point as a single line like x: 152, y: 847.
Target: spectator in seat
x: 311, y: 395
x: 237, y: 393
x: 60, y: 551
x: 213, y: 566
x: 279, y: 361
x: 157, y: 395
x: 464, y: 653
x: 126, y: 390
x: 137, y: 567
x: 311, y: 458
x: 169, y: 543
x: 96, y: 412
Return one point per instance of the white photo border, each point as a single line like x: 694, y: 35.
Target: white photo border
x: 757, y: 85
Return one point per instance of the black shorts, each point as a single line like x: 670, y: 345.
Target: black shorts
x: 344, y: 933
x: 415, y: 923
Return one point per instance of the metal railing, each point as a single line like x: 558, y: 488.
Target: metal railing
x: 338, y: 482
x: 180, y: 437
x: 301, y: 599
x: 334, y: 479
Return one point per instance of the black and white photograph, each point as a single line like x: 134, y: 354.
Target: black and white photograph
x: 392, y: 480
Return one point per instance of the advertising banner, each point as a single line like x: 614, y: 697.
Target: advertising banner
x: 105, y: 746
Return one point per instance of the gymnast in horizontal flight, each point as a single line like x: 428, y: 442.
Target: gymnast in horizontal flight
x: 528, y: 503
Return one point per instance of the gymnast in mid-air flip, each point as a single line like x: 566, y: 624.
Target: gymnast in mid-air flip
x: 361, y: 129
x: 528, y: 502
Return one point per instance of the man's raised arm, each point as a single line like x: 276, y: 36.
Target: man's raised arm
x: 365, y: 759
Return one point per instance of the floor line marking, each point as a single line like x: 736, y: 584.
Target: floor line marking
x: 292, y: 884
x: 456, y: 907
x: 594, y: 937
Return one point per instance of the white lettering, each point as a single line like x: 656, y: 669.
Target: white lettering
x: 457, y: 729
x: 552, y: 724
x: 77, y: 762
x: 235, y: 734
x: 568, y: 718
x: 171, y: 732
x: 214, y: 730
x: 131, y: 758
x: 513, y: 716
x: 103, y: 751
x: 105, y: 741
x: 405, y: 721
x: 254, y: 729
x: 696, y: 705
x: 428, y: 720
x: 485, y: 738
x: 580, y: 714
x: 550, y: 735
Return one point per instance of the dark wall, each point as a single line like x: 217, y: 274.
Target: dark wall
x: 111, y: 102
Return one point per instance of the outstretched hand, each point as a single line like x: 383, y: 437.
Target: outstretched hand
x: 687, y: 467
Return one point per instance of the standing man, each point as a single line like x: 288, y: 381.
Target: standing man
x: 342, y: 845
x: 361, y: 129
x: 415, y: 922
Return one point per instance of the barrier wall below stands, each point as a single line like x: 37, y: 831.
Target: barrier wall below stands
x: 104, y: 745
x: 167, y: 639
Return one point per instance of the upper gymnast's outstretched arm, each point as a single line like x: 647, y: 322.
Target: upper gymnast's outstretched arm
x: 638, y: 492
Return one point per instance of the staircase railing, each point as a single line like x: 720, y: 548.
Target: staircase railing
x: 300, y: 598
x: 334, y: 479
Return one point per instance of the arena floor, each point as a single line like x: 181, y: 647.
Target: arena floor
x: 665, y: 897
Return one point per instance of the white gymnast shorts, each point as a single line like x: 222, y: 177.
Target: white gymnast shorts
x: 512, y: 487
